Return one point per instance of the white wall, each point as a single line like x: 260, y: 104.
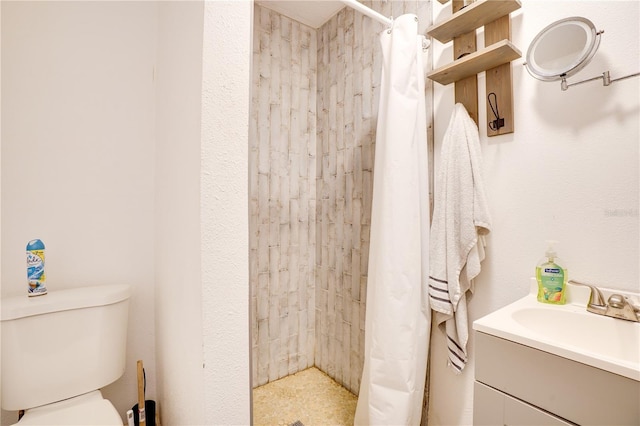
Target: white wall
x: 569, y: 172
x: 77, y: 155
x: 177, y: 213
x: 224, y: 192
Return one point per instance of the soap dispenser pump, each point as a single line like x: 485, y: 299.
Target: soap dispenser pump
x: 551, y: 276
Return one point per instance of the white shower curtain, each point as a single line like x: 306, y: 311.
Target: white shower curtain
x: 397, y: 313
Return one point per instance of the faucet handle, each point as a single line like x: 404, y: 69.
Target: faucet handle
x: 596, y: 299
x: 617, y: 301
x: 620, y: 307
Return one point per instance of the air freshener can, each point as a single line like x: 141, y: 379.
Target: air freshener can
x: 35, y: 268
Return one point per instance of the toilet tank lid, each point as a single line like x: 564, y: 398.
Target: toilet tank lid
x: 63, y: 300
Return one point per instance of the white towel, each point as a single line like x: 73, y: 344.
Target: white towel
x: 460, y: 220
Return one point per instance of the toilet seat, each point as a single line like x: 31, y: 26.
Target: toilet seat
x: 88, y: 409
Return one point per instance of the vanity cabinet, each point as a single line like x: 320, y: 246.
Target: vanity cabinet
x: 519, y: 385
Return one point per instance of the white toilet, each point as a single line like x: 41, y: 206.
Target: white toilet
x: 59, y: 349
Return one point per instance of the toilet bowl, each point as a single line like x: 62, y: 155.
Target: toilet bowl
x: 59, y: 349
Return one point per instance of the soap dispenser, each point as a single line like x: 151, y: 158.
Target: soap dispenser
x: 552, y: 277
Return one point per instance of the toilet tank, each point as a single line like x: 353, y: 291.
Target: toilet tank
x: 62, y: 344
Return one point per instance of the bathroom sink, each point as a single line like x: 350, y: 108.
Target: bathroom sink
x: 569, y: 331
x: 610, y: 337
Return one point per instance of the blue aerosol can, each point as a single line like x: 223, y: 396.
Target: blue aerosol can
x: 35, y: 268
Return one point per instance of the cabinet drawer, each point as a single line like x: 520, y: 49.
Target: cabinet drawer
x: 492, y: 407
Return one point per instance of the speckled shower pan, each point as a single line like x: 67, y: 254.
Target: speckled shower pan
x: 307, y: 398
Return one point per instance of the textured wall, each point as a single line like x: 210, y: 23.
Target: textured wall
x: 282, y: 191
x: 226, y: 85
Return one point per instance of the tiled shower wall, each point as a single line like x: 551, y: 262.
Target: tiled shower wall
x: 282, y: 190
x: 334, y: 185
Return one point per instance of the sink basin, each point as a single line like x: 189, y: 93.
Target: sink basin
x: 569, y: 331
x: 594, y: 333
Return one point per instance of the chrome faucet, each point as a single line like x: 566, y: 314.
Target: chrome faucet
x: 617, y: 306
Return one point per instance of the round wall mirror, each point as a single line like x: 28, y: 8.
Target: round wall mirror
x: 562, y: 49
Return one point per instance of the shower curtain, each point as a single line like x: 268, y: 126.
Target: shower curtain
x: 398, y: 315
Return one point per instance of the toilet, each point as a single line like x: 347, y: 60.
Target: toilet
x: 59, y: 349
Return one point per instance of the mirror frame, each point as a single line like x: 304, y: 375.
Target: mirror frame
x: 590, y: 48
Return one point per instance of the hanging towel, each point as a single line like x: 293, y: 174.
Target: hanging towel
x: 460, y: 221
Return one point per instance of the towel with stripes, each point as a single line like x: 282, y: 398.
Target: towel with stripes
x: 460, y: 221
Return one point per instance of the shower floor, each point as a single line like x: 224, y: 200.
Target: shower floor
x: 309, y: 396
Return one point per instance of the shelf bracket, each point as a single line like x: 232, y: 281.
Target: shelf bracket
x: 498, y: 80
x: 466, y: 90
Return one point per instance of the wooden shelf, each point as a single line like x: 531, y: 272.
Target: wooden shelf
x: 497, y: 54
x: 473, y: 16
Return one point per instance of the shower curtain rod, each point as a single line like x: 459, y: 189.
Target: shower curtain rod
x: 355, y: 4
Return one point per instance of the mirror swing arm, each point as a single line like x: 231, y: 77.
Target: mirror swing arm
x: 606, y: 80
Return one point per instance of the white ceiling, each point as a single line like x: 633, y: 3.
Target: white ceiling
x: 313, y: 13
